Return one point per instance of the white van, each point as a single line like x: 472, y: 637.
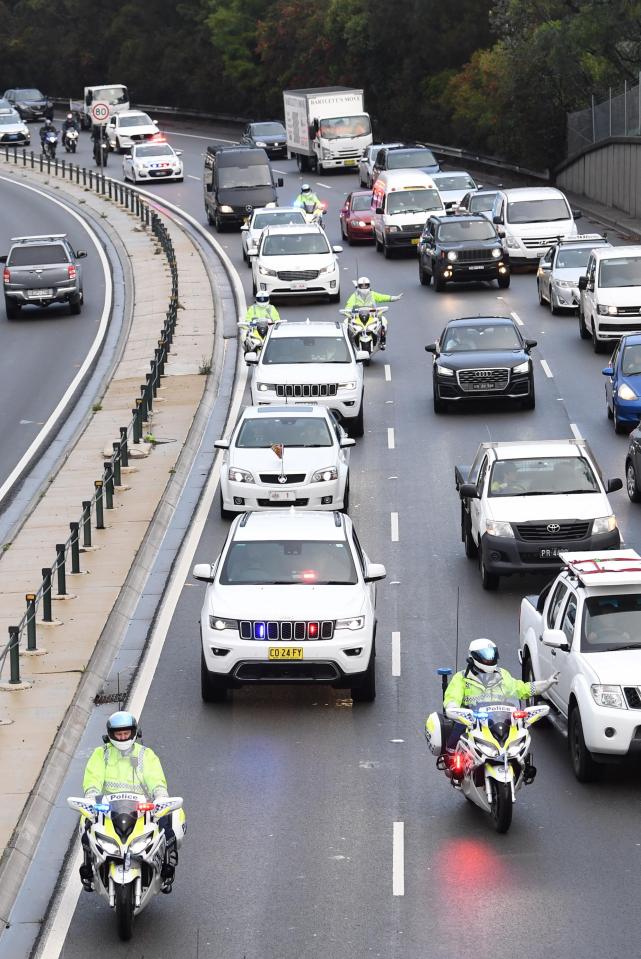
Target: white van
x: 531, y: 219
x: 610, y: 302
x: 402, y: 200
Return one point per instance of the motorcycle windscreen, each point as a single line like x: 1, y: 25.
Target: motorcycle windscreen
x: 498, y: 715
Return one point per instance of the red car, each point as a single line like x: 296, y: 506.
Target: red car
x: 356, y: 216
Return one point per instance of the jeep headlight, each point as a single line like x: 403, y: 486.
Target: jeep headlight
x: 347, y: 386
x: 522, y: 367
x: 226, y: 209
x: 497, y: 253
x: 452, y: 255
x: 220, y: 623
x: 626, y: 392
x: 499, y: 527
x: 608, y: 696
x: 354, y: 622
x: 325, y: 269
x: 604, y: 524
x: 563, y: 284
x: 237, y: 475
x: 325, y: 475
x: 392, y: 229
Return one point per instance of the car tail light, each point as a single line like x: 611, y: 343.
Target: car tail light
x: 7, y: 275
x: 71, y: 271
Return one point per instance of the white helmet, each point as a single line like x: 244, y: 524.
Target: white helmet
x: 483, y: 656
x: 122, y: 722
x: 362, y: 283
x: 305, y: 188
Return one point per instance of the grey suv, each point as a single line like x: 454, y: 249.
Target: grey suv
x: 41, y: 270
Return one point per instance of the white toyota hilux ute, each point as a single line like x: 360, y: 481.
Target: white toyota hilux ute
x: 586, y: 625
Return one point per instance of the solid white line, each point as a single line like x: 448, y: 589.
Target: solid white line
x: 516, y: 318
x: 398, y: 859
x: 394, y: 526
x: 396, y: 654
x: 325, y: 186
x: 198, y: 136
x: 388, y: 373
x: 546, y: 369
x: 93, y: 350
x: 192, y: 177
x: 391, y: 444
x: 577, y: 432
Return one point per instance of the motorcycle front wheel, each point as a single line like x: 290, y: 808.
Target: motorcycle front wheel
x: 501, y: 807
x: 125, y: 910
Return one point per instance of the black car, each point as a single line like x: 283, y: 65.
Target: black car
x: 461, y: 249
x: 270, y: 135
x: 482, y: 357
x: 30, y: 103
x: 406, y: 156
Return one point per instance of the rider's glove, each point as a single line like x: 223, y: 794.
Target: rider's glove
x: 160, y: 793
x: 542, y: 685
x: 452, y: 706
x: 397, y: 297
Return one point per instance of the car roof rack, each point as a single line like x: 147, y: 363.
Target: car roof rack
x: 245, y: 519
x: 43, y: 236
x: 621, y: 568
x: 338, y: 518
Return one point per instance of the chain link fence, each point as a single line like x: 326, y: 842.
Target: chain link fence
x: 617, y: 116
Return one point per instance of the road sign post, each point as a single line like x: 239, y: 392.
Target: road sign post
x: 100, y: 114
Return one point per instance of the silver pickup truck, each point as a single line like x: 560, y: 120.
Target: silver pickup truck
x: 41, y: 270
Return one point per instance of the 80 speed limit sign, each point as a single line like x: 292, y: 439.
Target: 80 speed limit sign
x: 100, y: 112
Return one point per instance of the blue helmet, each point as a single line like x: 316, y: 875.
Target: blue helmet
x: 122, y: 722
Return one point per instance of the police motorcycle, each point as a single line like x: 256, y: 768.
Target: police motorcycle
x: 127, y: 848
x: 315, y: 214
x: 366, y: 328
x: 70, y: 139
x: 255, y: 333
x: 492, y: 758
x: 50, y: 144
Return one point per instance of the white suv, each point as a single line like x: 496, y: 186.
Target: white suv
x: 281, y: 456
x: 313, y: 363
x: 531, y: 219
x: 296, y: 261
x: 291, y: 599
x: 610, y: 303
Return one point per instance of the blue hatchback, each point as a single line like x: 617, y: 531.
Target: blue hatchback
x: 623, y: 383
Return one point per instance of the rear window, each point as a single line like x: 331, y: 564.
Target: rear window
x: 29, y: 255
x: 410, y: 159
x: 362, y: 202
x: 288, y: 563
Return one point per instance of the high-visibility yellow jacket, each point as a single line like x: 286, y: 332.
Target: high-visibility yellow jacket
x: 467, y: 690
x: 110, y: 771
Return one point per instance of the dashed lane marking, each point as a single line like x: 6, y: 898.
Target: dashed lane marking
x: 394, y: 526
x: 576, y: 431
x: 398, y: 859
x: 391, y: 442
x: 192, y: 177
x: 325, y: 186
x: 546, y: 369
x: 388, y: 373
x: 199, y: 136
x: 396, y: 654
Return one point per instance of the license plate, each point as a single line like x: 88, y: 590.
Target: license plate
x: 280, y: 496
x: 350, y: 162
x: 285, y: 652
x: 551, y: 552
x: 475, y: 267
x: 298, y: 286
x: 481, y: 387
x: 38, y: 293
x: 415, y: 240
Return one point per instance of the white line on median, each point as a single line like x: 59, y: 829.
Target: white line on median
x: 396, y: 654
x: 282, y: 172
x: 516, y: 318
x: 325, y: 186
x: 546, y: 369
x: 398, y: 859
x: 391, y: 443
x: 198, y: 136
x: 388, y: 373
x: 192, y: 177
x: 394, y: 526
x: 577, y: 432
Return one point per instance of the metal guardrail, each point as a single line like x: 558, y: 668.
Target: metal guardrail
x: 488, y: 161
x: 111, y: 479
x: 171, y: 111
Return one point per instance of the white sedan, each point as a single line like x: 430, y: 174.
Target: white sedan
x: 285, y: 456
x: 125, y: 129
x: 266, y: 216
x: 152, y: 161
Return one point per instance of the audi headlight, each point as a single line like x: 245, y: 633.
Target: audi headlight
x: 604, y: 524
x: 512, y: 242
x: 226, y: 209
x: 626, y: 392
x: 220, y: 623
x: 522, y: 367
x: 497, y: 253
x: 603, y: 310
x: 499, y: 527
x: 452, y: 255
x: 237, y: 475
x: 487, y: 749
x: 325, y: 475
x: 444, y: 370
x: 265, y: 271
x: 354, y: 622
x: 347, y: 386
x: 608, y: 696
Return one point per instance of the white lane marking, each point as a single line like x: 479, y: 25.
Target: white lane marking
x: 394, y: 526
x: 198, y: 136
x: 546, y: 369
x: 93, y: 350
x: 388, y: 373
x: 324, y: 185
x: 516, y: 318
x: 398, y: 859
x: 192, y: 177
x: 282, y: 172
x: 396, y: 654
x: 391, y: 442
x: 577, y: 432
x: 64, y: 906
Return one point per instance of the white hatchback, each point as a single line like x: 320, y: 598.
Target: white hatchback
x: 152, y: 161
x: 281, y: 456
x: 296, y: 261
x: 453, y: 186
x: 125, y: 129
x: 267, y: 216
x: 291, y: 599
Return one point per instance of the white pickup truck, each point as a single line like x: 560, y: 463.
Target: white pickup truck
x: 586, y: 625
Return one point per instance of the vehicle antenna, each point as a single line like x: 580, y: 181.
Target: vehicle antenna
x: 458, y: 598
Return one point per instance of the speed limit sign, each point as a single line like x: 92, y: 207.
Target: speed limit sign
x: 100, y: 112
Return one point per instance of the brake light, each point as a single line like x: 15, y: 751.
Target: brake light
x: 308, y: 575
x: 71, y: 271
x: 7, y: 275
x: 146, y: 806
x: 519, y: 714
x: 458, y: 763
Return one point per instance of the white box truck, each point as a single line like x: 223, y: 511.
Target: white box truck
x: 115, y: 95
x: 326, y: 127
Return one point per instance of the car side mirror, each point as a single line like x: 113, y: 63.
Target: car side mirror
x: 252, y: 252
x: 607, y: 371
x: 362, y: 356
x: 244, y: 228
x: 431, y: 348
x: 81, y: 254
x: 545, y: 266
x: 251, y: 359
x: 497, y: 218
x: 178, y: 153
x: 614, y: 484
x: 155, y: 122
x: 479, y: 186
x: 380, y: 210
x: 577, y: 214
x: 347, y: 441
x: 583, y: 282
x: 128, y: 156
x: 530, y: 344
x: 221, y: 444
x: 337, y: 249
x: 374, y: 572
x: 280, y: 181
x: 203, y: 572
x: 3, y: 259
x: 555, y: 639
x: 468, y: 491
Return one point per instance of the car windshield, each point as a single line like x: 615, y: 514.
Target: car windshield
x: 295, y: 244
x: 111, y: 95
x: 611, y: 622
x: 9, y: 119
x: 461, y: 230
x: 29, y: 95
x: 362, y: 202
x: 538, y: 211
x: 482, y: 203
x: 264, y: 432
x: 244, y: 177
x: 336, y: 127
x: 288, y: 562
x: 542, y: 477
x: 631, y: 362
x: 306, y: 349
x: 276, y: 218
x: 572, y: 259
x: 268, y: 129
x: 497, y: 336
x: 33, y: 255
x: 416, y: 200
x: 139, y: 121
x: 620, y: 271
x: 156, y: 150
x: 458, y: 181
x: 410, y: 159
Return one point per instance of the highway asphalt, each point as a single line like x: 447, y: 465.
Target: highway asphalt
x: 41, y: 352
x: 292, y: 794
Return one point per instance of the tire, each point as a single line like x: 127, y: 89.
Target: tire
x: 356, y: 427
x: 365, y: 692
x: 345, y: 508
x: 584, y: 332
x: 530, y: 402
x: 608, y: 410
x: 424, y: 277
x: 501, y: 807
x: 13, y: 309
x: 125, y: 911
x: 583, y: 765
x: 75, y: 308
x: 377, y: 243
x: 387, y: 253
x: 212, y: 690
x: 597, y: 346
x: 210, y: 218
x: 224, y: 513
x: 489, y: 581
x: 439, y: 405
x: 471, y: 549
x: 335, y: 297
x: 302, y: 162
x: 503, y: 282
x: 554, y: 310
x: 439, y: 283
x: 619, y: 427
x: 540, y: 293
x: 631, y: 485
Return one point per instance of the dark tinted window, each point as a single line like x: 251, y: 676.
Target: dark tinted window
x: 500, y: 336
x: 306, y: 349
x: 262, y: 432
x: 458, y: 231
x: 29, y: 255
x: 409, y: 159
x: 611, y: 622
x: 288, y: 563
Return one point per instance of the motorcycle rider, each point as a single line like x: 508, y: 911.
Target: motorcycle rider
x: 99, y: 136
x: 261, y: 315
x: 124, y: 765
x: 69, y: 123
x: 47, y: 127
x: 307, y: 197
x: 364, y: 295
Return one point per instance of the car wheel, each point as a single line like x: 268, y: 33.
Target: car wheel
x: 210, y: 218
x: 254, y: 290
x: 346, y: 497
x: 503, y: 281
x: 631, y: 485
x: 530, y: 402
x: 423, y: 275
x: 471, y: 549
x: 597, y: 345
x: 224, y: 513
x: 489, y: 581
x: 584, y: 332
x: 365, y: 692
x: 387, y: 253
x: 212, y: 689
x: 554, y: 310
x: 118, y: 146
x: 540, y: 293
x: 377, y: 243
x: 356, y: 426
x: 439, y: 283
x: 13, y: 309
x: 584, y: 766
x: 439, y: 405
x: 608, y: 409
x: 619, y: 427
x: 75, y: 307
x: 335, y: 297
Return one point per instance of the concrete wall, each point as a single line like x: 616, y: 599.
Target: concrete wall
x: 608, y: 172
